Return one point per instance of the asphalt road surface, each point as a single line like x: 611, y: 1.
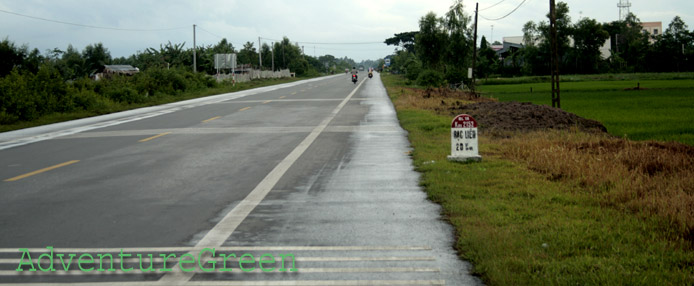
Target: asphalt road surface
x: 307, y: 183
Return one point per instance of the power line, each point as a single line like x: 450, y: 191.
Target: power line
x: 514, y: 10
x: 348, y: 43
x: 328, y: 43
x: 497, y: 3
x: 213, y: 34
x: 91, y: 26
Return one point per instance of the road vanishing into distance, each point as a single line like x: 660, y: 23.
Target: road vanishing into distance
x: 306, y: 183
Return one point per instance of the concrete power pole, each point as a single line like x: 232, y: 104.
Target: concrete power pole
x: 260, y: 55
x: 474, y: 51
x: 555, y: 55
x: 194, y: 56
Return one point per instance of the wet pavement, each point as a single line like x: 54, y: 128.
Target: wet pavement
x: 319, y: 171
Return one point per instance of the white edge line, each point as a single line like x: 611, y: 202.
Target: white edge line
x: 220, y: 248
x: 26, y: 136
x: 77, y: 272
x: 261, y: 283
x: 155, y: 259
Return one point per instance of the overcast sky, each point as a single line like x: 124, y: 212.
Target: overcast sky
x: 312, y: 23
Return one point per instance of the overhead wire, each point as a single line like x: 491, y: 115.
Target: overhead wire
x: 92, y: 26
x: 497, y: 3
x: 514, y: 10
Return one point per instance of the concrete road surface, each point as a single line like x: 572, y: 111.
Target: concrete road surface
x: 307, y: 183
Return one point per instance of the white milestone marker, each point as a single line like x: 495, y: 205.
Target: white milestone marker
x: 464, y: 145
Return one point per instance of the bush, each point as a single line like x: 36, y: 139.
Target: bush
x: 455, y: 76
x: 413, y: 68
x: 430, y: 78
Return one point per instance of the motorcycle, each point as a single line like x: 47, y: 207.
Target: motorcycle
x: 371, y: 75
x: 354, y: 78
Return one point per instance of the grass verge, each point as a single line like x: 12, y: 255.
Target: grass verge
x: 520, y: 225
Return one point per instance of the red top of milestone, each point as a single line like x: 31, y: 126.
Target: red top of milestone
x: 464, y: 121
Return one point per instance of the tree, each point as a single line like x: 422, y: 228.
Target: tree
x: 11, y: 56
x: 459, y: 43
x: 248, y: 55
x: 95, y: 56
x: 589, y: 37
x: 430, y: 41
x: 564, y: 31
x: 488, y: 61
x: 72, y: 64
x: 404, y: 39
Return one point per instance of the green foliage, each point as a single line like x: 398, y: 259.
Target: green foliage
x: 430, y: 78
x: 430, y: 41
x: 455, y: 75
x: 517, y: 227
x: 661, y: 112
x: 25, y: 96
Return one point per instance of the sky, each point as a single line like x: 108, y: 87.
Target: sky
x: 355, y: 28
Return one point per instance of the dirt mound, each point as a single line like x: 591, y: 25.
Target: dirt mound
x: 523, y: 116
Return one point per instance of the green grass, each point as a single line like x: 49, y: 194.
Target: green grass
x: 117, y: 106
x: 517, y: 227
x: 590, y: 77
x: 661, y: 112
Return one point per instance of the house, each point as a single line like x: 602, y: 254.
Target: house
x: 110, y: 70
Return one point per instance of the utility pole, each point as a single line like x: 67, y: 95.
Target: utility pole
x: 474, y: 51
x: 272, y: 51
x: 555, y: 55
x: 260, y: 55
x: 195, y: 63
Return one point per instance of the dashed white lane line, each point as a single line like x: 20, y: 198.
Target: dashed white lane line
x: 220, y: 232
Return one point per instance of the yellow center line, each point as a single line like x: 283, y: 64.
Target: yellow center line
x: 41, y: 171
x: 154, y: 137
x: 293, y: 93
x: 245, y: 108
x: 264, y: 102
x: 282, y: 96
x: 213, y: 118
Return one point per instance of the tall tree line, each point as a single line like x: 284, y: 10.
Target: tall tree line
x: 443, y: 46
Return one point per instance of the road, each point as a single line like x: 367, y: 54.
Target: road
x: 318, y: 169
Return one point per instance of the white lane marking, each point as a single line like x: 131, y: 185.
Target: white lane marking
x: 21, y: 137
x: 146, y: 259
x: 77, y: 272
x: 221, y: 248
x: 230, y: 130
x: 261, y: 283
x: 225, y: 227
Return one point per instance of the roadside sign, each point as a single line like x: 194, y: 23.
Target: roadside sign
x: 464, y: 144
x: 387, y: 62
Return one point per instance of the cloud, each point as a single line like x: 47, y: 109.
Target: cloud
x: 241, y: 21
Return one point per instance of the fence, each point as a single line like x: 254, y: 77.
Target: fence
x: 255, y: 74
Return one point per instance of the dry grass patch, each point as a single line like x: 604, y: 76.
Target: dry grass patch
x: 646, y: 178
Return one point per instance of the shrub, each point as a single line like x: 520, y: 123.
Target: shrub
x: 430, y: 78
x: 455, y: 76
x: 413, y: 68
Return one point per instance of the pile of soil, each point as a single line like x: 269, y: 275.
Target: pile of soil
x: 523, y: 116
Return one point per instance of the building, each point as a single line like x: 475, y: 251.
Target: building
x: 110, y: 70
x: 653, y: 28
